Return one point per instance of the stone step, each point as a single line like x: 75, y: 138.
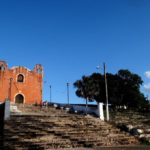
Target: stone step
x: 51, y: 128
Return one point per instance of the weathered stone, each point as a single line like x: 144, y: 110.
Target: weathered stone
x: 147, y: 130
x: 136, y: 131
x: 57, y: 129
x: 140, y: 131
x: 129, y: 127
x: 144, y: 136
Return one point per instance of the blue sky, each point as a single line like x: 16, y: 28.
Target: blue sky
x: 71, y: 37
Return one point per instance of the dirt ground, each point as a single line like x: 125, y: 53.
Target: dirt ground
x: 114, y: 148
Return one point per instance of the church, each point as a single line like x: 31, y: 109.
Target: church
x: 20, y: 84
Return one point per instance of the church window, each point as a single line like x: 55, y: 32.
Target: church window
x: 2, y: 68
x: 20, y: 78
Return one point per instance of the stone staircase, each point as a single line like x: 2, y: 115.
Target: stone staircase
x: 49, y: 128
x: 136, y: 123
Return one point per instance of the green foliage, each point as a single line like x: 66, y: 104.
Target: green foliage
x: 123, y: 89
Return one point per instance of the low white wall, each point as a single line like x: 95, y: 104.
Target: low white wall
x: 7, y: 110
x: 83, y: 108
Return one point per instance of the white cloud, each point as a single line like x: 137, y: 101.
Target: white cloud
x: 147, y: 74
x: 147, y: 87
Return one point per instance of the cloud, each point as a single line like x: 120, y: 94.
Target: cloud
x: 147, y: 87
x: 147, y: 74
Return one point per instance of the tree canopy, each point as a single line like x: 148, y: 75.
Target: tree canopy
x: 123, y: 88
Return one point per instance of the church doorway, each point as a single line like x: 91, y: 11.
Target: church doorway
x: 19, y: 99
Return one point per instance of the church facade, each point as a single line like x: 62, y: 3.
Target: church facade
x: 20, y: 84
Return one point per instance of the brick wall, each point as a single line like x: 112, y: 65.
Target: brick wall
x: 21, y: 85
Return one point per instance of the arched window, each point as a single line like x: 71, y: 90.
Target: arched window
x: 19, y: 99
x: 20, y: 78
x: 2, y: 68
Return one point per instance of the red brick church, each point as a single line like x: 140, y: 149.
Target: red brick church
x: 20, y: 84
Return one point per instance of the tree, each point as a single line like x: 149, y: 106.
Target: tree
x: 84, y: 89
x: 89, y: 87
x: 129, y: 88
x: 123, y: 88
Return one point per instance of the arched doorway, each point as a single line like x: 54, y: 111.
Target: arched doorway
x: 19, y: 99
